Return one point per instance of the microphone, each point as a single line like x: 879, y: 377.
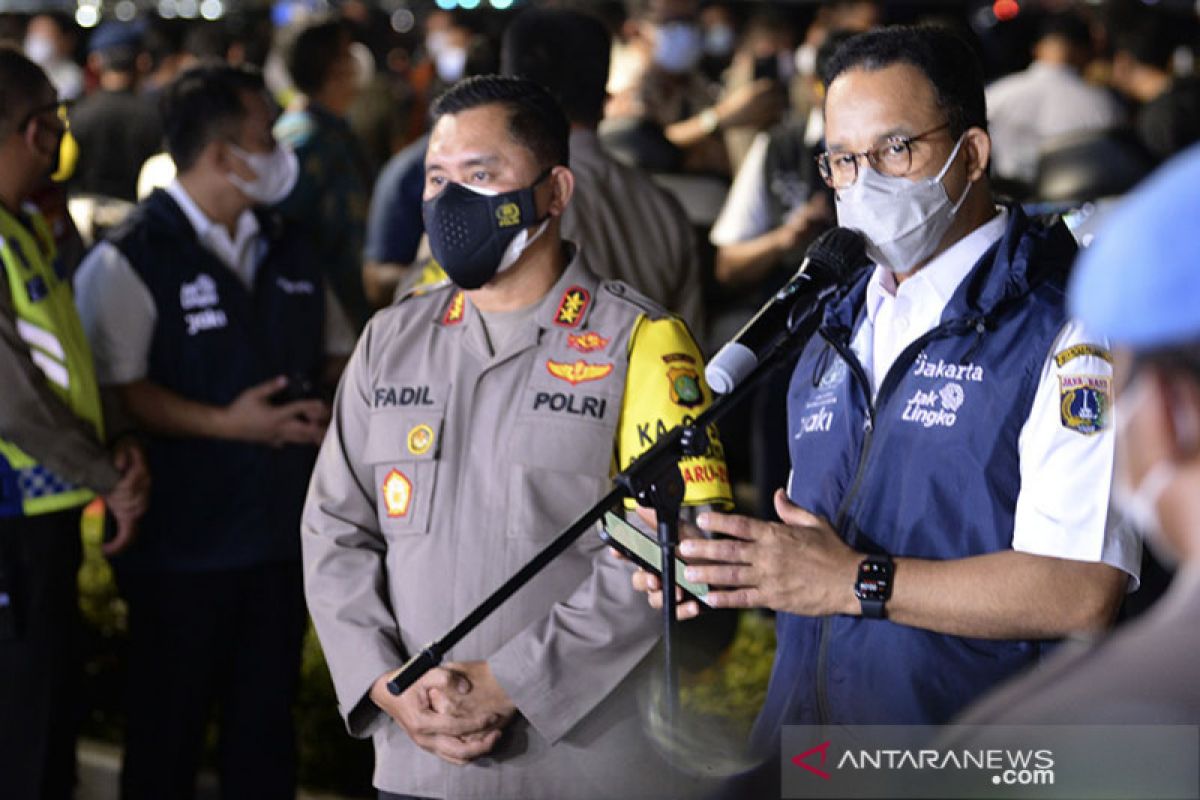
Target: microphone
x: 830, y: 261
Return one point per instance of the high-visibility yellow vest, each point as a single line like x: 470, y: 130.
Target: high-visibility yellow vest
x: 48, y: 322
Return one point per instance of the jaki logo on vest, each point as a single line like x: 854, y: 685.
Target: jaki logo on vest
x: 206, y: 320
x: 819, y: 421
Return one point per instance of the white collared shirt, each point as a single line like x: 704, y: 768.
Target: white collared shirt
x: 241, y: 253
x: 1062, y: 506
x: 901, y: 315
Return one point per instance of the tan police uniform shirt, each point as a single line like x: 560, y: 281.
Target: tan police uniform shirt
x: 446, y: 468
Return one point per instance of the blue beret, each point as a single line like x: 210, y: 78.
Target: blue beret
x: 1139, y: 282
x: 114, y: 34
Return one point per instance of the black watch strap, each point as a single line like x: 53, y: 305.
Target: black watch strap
x: 874, y: 585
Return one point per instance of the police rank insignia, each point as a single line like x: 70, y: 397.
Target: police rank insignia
x: 454, y: 311
x: 508, y: 215
x: 570, y: 309
x: 1084, y: 402
x: 420, y: 439
x: 397, y: 494
x: 578, y: 372
x: 586, y: 342
x: 684, y: 380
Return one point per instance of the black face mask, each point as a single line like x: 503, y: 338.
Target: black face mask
x: 469, y: 232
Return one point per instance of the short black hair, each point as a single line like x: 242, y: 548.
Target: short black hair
x: 536, y: 121
x: 1068, y: 26
x: 205, y: 104
x: 313, y: 52
x: 565, y: 52
x: 1150, y: 39
x: 23, y: 87
x: 940, y: 54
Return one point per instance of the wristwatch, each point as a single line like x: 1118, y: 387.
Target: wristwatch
x: 873, y: 588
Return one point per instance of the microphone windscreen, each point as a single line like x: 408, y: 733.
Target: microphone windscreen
x: 840, y: 252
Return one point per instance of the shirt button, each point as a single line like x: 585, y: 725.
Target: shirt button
x: 901, y: 323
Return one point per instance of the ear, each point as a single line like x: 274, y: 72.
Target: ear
x: 978, y: 147
x: 562, y: 187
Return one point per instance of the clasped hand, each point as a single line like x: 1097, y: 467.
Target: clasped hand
x: 457, y: 711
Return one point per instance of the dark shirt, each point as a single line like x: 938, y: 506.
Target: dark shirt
x: 330, y: 200
x: 1171, y: 121
x: 395, y: 226
x: 117, y: 132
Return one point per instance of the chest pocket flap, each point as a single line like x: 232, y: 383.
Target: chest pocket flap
x: 403, y: 449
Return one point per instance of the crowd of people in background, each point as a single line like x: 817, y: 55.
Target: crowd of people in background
x: 695, y: 131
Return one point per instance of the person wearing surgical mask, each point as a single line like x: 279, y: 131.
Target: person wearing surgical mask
x: 950, y: 426
x: 1136, y: 284
x: 48, y: 43
x: 662, y: 82
x: 209, y: 317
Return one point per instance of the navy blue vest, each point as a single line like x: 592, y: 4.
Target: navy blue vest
x: 930, y: 470
x: 220, y: 504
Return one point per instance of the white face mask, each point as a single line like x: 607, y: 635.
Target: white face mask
x: 520, y: 242
x: 902, y: 220
x: 719, y: 41
x: 678, y: 46
x: 806, y: 60
x: 39, y: 49
x: 1138, y: 504
x: 276, y: 173
x: 451, y: 64
x: 436, y: 42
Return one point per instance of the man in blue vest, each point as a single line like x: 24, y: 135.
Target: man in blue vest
x: 951, y: 446
x: 53, y: 455
x: 210, y: 318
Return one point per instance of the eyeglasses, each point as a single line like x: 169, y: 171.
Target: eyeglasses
x: 59, y: 108
x: 892, y: 157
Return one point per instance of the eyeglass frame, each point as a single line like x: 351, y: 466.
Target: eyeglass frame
x: 826, y: 171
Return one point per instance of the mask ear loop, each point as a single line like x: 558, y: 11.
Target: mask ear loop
x: 542, y: 176
x: 946, y: 168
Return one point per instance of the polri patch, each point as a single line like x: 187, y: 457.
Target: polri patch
x: 684, y: 380
x: 1064, y: 357
x: 572, y: 306
x: 1084, y: 402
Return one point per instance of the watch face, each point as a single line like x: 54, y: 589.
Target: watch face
x: 874, y: 580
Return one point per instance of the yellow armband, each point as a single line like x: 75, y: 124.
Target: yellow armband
x: 664, y: 388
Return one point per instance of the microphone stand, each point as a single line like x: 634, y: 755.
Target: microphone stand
x: 654, y: 480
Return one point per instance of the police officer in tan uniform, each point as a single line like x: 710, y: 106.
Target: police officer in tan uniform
x: 475, y: 421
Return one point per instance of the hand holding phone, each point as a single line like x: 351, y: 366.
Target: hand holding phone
x: 646, y: 553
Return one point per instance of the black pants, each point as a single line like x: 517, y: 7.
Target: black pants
x: 39, y: 655
x: 230, y: 639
